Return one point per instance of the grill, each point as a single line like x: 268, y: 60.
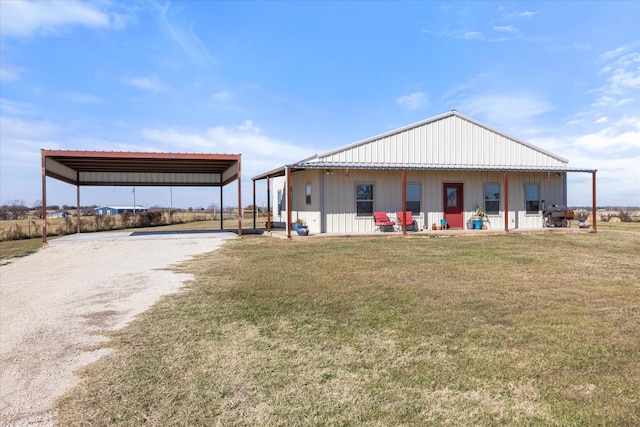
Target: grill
x: 557, y: 216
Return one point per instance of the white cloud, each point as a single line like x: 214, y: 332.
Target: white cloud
x: 223, y: 95
x: 529, y: 13
x: 185, y: 36
x: 151, y: 84
x: 505, y: 107
x: 28, y: 18
x: 601, y: 120
x: 505, y: 28
x: 83, y: 98
x: 413, y: 101
x: 10, y: 74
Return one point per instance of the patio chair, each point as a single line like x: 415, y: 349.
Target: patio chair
x: 408, y: 220
x: 383, y: 222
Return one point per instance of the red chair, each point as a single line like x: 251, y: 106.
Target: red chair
x: 383, y: 222
x: 408, y: 220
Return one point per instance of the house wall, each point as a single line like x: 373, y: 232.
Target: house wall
x: 334, y: 194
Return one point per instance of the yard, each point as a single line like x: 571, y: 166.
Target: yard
x: 521, y: 329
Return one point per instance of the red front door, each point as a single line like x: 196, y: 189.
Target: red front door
x: 452, y: 205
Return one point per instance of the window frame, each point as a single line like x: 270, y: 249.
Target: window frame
x: 360, y: 201
x: 495, y: 201
x: 527, y: 201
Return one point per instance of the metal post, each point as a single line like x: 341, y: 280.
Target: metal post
x: 593, y: 200
x: 288, y: 186
x: 221, y: 206
x: 78, y: 204
x: 404, y: 202
x: 44, y: 199
x: 506, y: 201
x: 254, y: 205
x: 240, y: 200
x: 269, y: 205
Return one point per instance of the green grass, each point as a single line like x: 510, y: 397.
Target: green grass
x: 531, y: 329
x: 19, y: 248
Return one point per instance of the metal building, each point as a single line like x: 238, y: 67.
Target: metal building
x: 442, y: 168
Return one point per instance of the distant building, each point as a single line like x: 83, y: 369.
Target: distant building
x: 63, y: 214
x: 117, y: 210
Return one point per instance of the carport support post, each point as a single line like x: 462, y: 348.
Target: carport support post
x: 269, y: 205
x: 506, y: 201
x: 240, y: 200
x: 78, y: 205
x: 254, y: 205
x: 44, y: 199
x: 593, y: 200
x: 221, y: 208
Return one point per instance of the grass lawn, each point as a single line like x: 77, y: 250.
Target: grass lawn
x: 520, y: 329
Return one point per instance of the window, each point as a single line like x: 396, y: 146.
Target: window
x: 532, y: 198
x: 413, y: 198
x: 364, y: 199
x: 280, y: 202
x: 307, y: 193
x: 492, y: 198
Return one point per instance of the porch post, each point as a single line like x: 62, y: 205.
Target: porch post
x: 404, y: 202
x: 288, y: 202
x: 506, y: 201
x: 593, y: 200
x: 269, y: 205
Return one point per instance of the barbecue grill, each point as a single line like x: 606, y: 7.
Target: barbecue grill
x: 557, y: 216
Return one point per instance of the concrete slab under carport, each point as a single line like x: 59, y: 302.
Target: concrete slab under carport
x: 104, y: 236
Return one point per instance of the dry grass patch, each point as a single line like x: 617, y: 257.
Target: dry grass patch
x: 483, y: 330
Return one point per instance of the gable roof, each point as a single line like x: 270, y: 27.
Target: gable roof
x: 450, y: 141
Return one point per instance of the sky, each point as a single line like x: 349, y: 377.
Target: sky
x: 281, y: 81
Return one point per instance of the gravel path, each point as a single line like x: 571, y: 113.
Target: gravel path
x: 57, y: 303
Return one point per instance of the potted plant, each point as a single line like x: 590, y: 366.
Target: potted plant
x: 478, y: 218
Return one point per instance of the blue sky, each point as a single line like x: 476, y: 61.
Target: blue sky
x: 281, y: 81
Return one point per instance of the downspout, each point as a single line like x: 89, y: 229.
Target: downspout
x: 506, y: 201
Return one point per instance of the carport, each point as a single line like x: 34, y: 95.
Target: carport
x: 109, y: 168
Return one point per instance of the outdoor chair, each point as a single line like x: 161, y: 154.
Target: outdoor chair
x: 408, y: 220
x: 382, y: 221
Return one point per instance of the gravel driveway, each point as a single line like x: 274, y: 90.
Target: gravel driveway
x: 57, y: 303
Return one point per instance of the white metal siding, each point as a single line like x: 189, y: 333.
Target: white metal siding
x: 452, y: 141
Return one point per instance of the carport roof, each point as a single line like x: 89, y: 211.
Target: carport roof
x: 140, y: 168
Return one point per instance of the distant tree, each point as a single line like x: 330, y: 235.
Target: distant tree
x: 37, y: 207
x: 14, y: 209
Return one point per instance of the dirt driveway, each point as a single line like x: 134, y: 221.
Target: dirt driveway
x: 58, y: 302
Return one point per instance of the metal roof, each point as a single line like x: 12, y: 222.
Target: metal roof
x: 450, y: 141
x: 140, y: 168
